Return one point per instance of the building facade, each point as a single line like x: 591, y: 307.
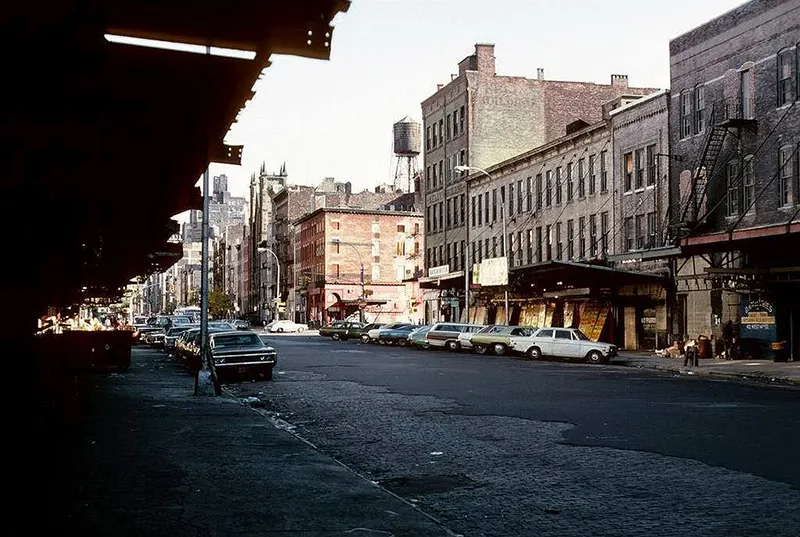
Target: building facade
x: 735, y: 126
x: 359, y: 260
x: 480, y: 119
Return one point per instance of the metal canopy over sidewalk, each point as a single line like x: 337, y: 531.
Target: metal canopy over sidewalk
x: 104, y: 141
x: 555, y: 275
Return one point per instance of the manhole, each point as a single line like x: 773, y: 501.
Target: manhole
x: 428, y: 484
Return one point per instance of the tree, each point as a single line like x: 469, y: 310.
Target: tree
x: 220, y: 304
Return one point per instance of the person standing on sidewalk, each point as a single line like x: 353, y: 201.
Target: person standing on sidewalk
x: 727, y: 339
x: 690, y: 356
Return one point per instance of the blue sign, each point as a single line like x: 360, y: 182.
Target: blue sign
x: 757, y: 319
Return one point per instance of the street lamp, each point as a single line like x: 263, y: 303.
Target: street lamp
x: 363, y: 281
x: 262, y: 247
x: 504, y: 242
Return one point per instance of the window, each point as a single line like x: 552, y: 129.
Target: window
x: 462, y: 208
x: 449, y: 134
x: 733, y: 187
x: 455, y: 123
x: 335, y: 270
x: 570, y: 185
x: 581, y: 178
x: 428, y: 184
x: 628, y: 230
x: 604, y: 233
x: 549, y: 250
x: 570, y: 239
x: 559, y: 246
x: 539, y: 192
x: 788, y: 167
x: 400, y: 228
x: 699, y: 109
x: 480, y: 209
x: 749, y: 184
x: 486, y: 207
x: 441, y: 132
x: 519, y: 196
x: 511, y: 199
x: 786, y: 77
x: 427, y: 138
x: 401, y: 248
x: 651, y: 230
x: 593, y: 234
x: 582, y: 237
x: 494, y: 246
x: 494, y: 205
x: 441, y: 215
x: 640, y: 231
x: 627, y: 171
x: 519, y: 248
x: 558, y: 185
x: 592, y: 176
x: 603, y: 172
x: 461, y: 120
x: 473, y: 215
x: 335, y: 225
x: 539, y: 252
x: 462, y: 159
x: 335, y: 247
x: 435, y: 134
x: 528, y: 195
x: 747, y: 90
x: 639, y: 157
x: 686, y: 111
x: 434, y: 176
x: 548, y: 197
x: 651, y: 165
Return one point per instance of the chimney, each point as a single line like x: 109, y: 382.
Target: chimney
x: 540, y: 73
x: 439, y: 87
x: 620, y: 81
x: 484, y: 52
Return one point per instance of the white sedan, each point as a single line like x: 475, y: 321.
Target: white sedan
x: 286, y: 325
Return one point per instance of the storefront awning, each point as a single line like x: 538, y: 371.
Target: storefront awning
x: 446, y: 280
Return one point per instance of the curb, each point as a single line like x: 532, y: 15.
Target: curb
x: 768, y: 380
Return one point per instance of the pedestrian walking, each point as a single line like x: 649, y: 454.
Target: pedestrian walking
x: 727, y: 339
x: 690, y: 355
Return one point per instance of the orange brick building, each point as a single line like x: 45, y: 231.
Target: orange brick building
x: 337, y: 244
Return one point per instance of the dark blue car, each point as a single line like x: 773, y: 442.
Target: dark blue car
x: 396, y: 334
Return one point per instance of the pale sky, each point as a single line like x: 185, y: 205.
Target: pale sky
x: 334, y: 118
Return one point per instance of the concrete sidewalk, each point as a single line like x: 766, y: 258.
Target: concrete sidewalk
x: 763, y: 371
x: 146, y: 457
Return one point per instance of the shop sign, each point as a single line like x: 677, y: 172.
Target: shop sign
x: 757, y: 319
x: 438, y: 272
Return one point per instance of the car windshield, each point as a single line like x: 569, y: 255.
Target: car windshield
x: 580, y: 335
x: 177, y: 331
x: 236, y: 340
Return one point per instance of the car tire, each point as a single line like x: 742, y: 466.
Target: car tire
x: 364, y: 338
x: 480, y: 349
x: 402, y: 342
x: 453, y: 346
x: 336, y: 337
x: 279, y: 330
x: 594, y: 357
x: 499, y: 349
x: 534, y: 353
x: 301, y: 329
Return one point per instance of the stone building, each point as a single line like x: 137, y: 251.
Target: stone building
x: 479, y: 119
x: 358, y: 259
x: 734, y: 124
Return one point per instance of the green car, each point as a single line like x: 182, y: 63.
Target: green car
x: 497, y: 338
x: 362, y: 332
x: 340, y: 330
x: 418, y: 339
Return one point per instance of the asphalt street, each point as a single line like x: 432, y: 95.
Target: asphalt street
x: 508, y: 447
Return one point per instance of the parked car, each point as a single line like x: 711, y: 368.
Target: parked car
x: 568, y: 343
x: 362, y: 333
x: 375, y: 334
x: 241, y: 324
x: 446, y: 334
x: 396, y: 335
x: 241, y: 352
x: 171, y: 337
x: 286, y: 325
x: 497, y: 338
x: 339, y: 329
x: 418, y: 337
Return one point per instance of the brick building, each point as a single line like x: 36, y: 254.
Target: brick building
x: 735, y: 124
x: 349, y: 257
x: 480, y: 119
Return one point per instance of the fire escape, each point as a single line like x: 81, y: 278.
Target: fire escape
x: 736, y: 114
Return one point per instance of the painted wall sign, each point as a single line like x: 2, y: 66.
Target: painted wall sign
x: 757, y: 319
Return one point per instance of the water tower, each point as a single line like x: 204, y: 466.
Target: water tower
x: 407, y: 142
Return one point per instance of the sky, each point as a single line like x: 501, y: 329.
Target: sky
x: 334, y: 118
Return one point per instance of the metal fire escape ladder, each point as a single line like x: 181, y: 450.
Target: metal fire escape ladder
x: 712, y: 147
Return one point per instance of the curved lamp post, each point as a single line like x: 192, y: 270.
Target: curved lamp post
x: 262, y: 247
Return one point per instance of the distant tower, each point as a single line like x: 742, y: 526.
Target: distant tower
x: 407, y: 142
